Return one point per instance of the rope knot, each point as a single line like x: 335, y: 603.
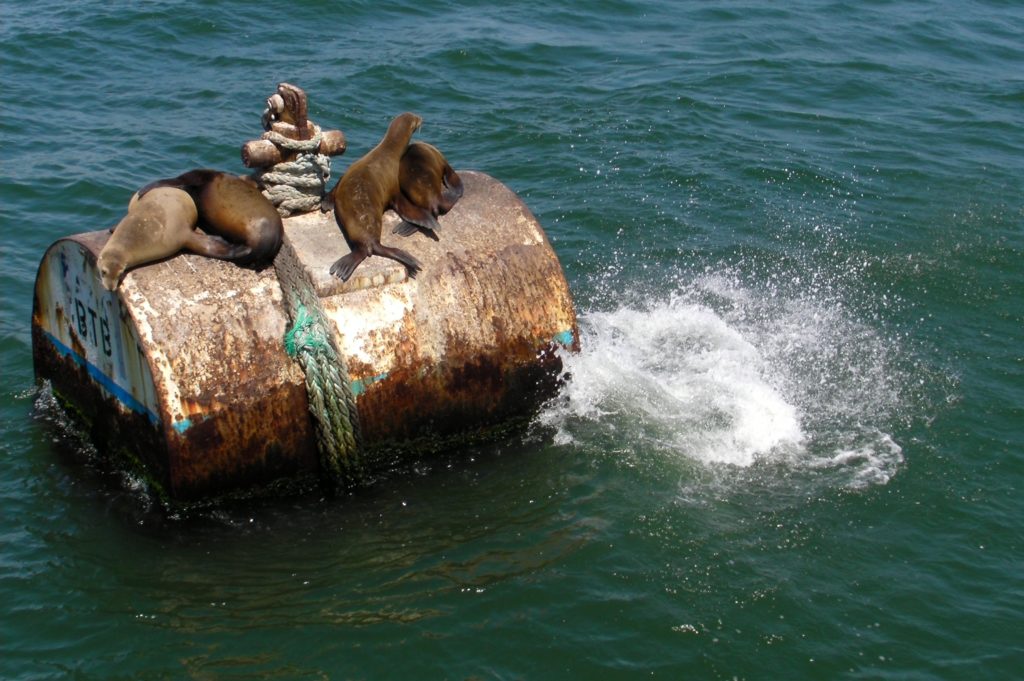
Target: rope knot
x: 296, y: 186
x: 307, y: 335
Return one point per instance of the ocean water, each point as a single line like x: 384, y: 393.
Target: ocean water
x: 791, y: 446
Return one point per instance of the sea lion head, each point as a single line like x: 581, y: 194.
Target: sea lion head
x: 111, y: 266
x: 406, y: 124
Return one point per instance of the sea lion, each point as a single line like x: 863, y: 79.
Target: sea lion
x: 430, y: 187
x: 233, y: 208
x: 367, y: 189
x: 158, y: 225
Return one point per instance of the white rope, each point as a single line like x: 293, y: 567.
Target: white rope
x: 296, y: 186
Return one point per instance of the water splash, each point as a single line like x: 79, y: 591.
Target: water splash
x: 683, y: 378
x: 722, y: 373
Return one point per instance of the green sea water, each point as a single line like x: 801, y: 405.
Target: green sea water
x: 790, y: 448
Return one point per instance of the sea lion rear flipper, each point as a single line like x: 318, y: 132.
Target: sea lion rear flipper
x: 410, y: 212
x: 186, y: 181
x: 344, y: 267
x: 215, y: 247
x: 412, y: 265
x: 168, y: 182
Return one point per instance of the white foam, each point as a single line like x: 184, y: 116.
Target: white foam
x: 678, y: 377
x: 725, y: 374
x: 871, y: 463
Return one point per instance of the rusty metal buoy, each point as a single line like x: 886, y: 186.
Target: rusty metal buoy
x: 182, y: 371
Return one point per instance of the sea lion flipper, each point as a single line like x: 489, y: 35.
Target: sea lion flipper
x: 417, y: 215
x: 405, y: 228
x: 190, y: 180
x: 452, y: 190
x: 412, y: 265
x: 409, y: 229
x: 344, y: 267
x: 215, y: 247
x: 169, y: 182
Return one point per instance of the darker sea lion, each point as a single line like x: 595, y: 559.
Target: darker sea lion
x: 157, y: 226
x: 430, y: 187
x: 367, y: 189
x: 234, y: 208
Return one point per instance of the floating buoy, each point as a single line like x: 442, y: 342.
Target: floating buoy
x: 197, y: 373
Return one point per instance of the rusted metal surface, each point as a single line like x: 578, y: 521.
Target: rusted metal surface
x: 235, y: 404
x: 190, y: 376
x: 470, y: 341
x: 183, y: 368
x: 85, y: 344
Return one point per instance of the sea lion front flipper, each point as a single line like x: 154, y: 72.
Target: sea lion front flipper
x: 344, y: 267
x: 410, y: 212
x: 408, y: 229
x: 215, y: 247
x: 404, y: 228
x: 452, y: 191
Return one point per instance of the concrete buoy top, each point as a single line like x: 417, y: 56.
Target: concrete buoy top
x: 182, y: 371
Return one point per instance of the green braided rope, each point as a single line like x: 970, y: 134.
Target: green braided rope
x: 331, y: 401
x: 306, y: 335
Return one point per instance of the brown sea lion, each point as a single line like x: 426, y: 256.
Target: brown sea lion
x: 157, y: 226
x: 233, y: 208
x: 430, y: 187
x: 367, y: 189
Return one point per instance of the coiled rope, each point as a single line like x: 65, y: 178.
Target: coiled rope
x: 296, y: 186
x: 331, y: 401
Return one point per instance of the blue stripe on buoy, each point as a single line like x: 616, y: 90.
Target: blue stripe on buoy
x: 359, y: 387
x: 122, y: 395
x: 565, y: 338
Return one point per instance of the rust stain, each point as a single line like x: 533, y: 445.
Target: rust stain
x: 495, y: 362
x: 225, y: 448
x: 240, y: 416
x: 466, y: 345
x: 113, y: 429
